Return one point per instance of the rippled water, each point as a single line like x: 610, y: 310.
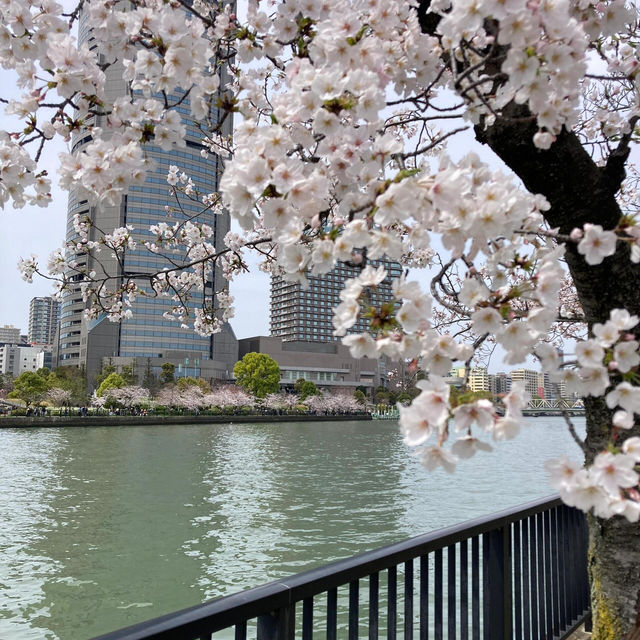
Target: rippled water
x: 104, y: 527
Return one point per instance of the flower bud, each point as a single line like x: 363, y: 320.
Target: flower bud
x: 576, y: 234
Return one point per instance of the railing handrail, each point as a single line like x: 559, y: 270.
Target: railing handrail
x: 238, y: 607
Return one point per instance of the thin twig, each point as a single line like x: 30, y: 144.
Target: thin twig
x: 567, y: 418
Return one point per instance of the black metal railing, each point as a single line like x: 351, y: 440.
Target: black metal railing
x: 520, y: 573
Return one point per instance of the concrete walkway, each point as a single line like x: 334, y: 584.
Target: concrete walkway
x: 580, y: 634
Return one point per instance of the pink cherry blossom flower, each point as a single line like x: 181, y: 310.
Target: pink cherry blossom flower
x: 434, y: 457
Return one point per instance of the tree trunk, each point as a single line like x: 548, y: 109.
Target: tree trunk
x: 614, y: 553
x: 581, y: 191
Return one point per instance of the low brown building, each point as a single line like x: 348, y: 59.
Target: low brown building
x: 328, y: 365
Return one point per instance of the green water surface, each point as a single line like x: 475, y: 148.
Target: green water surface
x: 105, y: 527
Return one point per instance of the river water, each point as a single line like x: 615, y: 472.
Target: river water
x: 105, y: 527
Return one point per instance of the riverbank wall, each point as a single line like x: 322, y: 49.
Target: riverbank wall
x: 11, y: 422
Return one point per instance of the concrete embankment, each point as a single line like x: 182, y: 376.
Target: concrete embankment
x: 118, y: 421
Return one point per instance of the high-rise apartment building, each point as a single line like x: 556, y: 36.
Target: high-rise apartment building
x: 43, y: 320
x: 10, y: 334
x: 306, y: 314
x: 499, y: 383
x: 478, y: 379
x: 530, y: 379
x: 546, y: 390
x: 147, y: 337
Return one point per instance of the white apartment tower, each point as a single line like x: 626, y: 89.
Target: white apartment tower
x: 530, y: 379
x: 43, y: 320
x: 499, y: 383
x: 478, y: 379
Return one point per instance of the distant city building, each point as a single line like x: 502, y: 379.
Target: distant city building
x: 529, y: 377
x: 10, y: 334
x: 478, y: 379
x: 147, y: 334
x: 557, y: 390
x: 43, y: 320
x: 562, y: 385
x: 186, y: 365
x: 306, y: 314
x: 15, y: 360
x: 499, y: 383
x: 546, y: 389
x: 537, y: 384
x: 44, y: 359
x: 455, y: 381
x: 328, y: 365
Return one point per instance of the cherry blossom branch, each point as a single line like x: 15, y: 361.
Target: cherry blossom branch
x: 435, y: 143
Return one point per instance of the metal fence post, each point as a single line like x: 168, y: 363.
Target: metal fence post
x: 277, y: 625
x: 497, y: 579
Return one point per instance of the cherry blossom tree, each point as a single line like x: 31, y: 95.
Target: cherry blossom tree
x: 345, y: 152
x: 190, y: 398
x: 130, y: 396
x: 59, y: 397
x: 229, y: 396
x: 98, y: 401
x: 282, y: 400
x: 317, y: 404
x: 168, y: 396
x: 338, y: 403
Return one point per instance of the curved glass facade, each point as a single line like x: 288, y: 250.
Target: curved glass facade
x: 147, y: 334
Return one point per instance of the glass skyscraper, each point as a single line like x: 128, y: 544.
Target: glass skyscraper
x: 147, y: 336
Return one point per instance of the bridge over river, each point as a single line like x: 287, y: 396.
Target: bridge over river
x: 537, y: 407
x: 554, y: 407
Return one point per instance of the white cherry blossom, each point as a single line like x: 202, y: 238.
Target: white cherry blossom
x: 626, y: 396
x: 596, y: 243
x: 435, y: 457
x: 614, y: 472
x: 467, y: 446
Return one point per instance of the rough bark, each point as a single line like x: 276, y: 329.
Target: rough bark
x: 581, y: 191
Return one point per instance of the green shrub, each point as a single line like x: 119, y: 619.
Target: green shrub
x: 245, y: 411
